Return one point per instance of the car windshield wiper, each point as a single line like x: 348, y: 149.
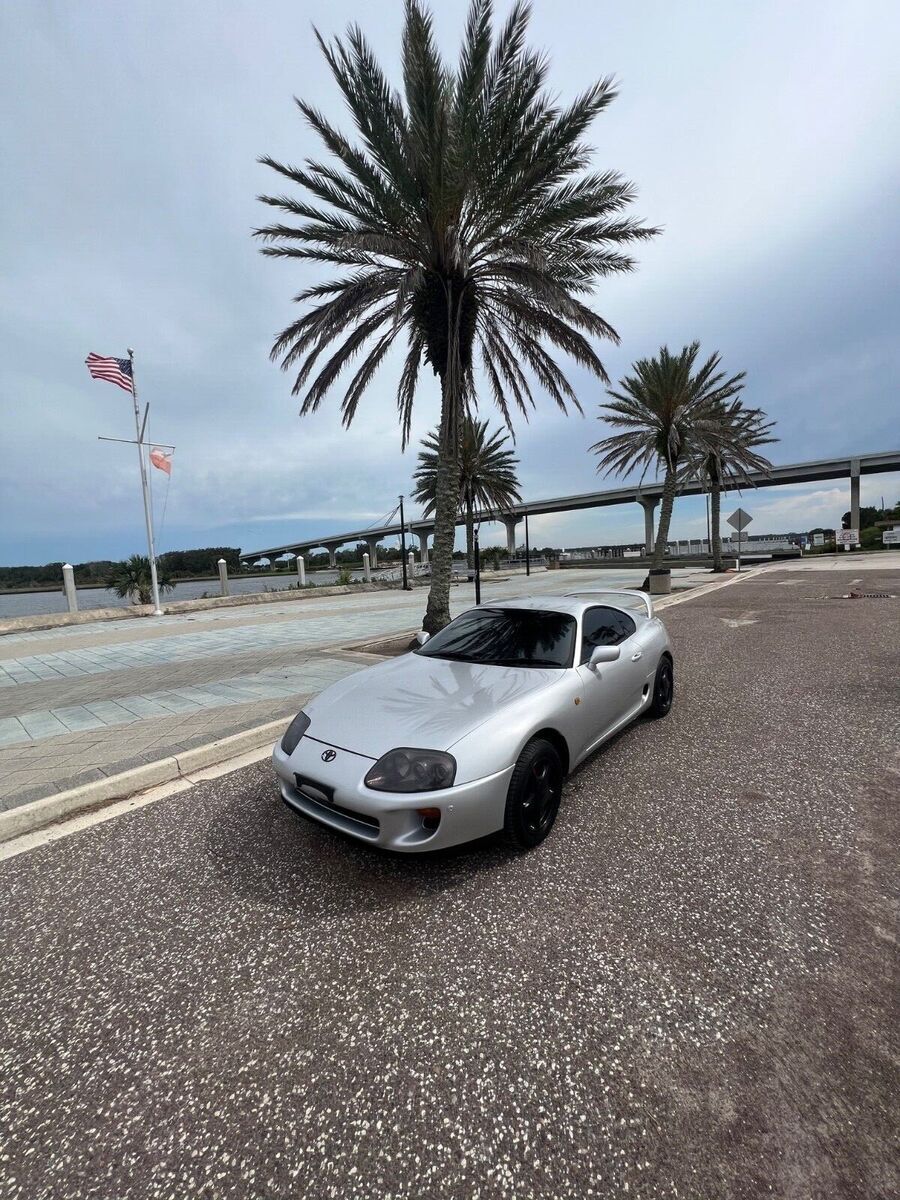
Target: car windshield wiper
x: 524, y: 662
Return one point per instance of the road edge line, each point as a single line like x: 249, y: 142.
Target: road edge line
x: 100, y: 793
x: 703, y: 589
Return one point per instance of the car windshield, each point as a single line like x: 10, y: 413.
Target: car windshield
x: 507, y: 637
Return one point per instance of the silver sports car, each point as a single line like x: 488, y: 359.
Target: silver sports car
x: 475, y: 729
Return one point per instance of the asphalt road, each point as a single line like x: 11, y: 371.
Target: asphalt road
x: 690, y: 990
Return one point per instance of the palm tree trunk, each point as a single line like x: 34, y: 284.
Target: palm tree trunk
x: 715, y: 507
x: 470, y: 532
x: 446, y: 506
x: 665, y: 518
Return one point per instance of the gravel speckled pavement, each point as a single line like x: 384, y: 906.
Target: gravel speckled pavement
x: 689, y: 991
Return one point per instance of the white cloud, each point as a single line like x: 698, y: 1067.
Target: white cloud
x: 729, y: 121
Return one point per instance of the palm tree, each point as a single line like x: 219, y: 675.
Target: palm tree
x: 725, y: 454
x: 131, y: 578
x: 661, y: 409
x: 487, y: 475
x: 465, y: 220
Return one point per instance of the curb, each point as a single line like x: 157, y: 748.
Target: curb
x: 50, y: 810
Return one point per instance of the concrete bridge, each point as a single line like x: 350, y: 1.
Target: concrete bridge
x: 647, y: 496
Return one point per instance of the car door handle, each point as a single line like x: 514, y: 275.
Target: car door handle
x: 637, y: 654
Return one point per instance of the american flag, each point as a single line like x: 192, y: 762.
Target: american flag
x: 113, y: 370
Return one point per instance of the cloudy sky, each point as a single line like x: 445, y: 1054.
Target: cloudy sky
x: 763, y: 137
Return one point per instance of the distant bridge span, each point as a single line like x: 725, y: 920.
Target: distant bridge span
x: 648, y: 496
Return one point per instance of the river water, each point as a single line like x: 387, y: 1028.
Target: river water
x: 23, y: 604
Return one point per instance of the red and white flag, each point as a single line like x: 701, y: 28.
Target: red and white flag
x: 161, y: 460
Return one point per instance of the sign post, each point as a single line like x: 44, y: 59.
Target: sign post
x: 403, y: 547
x: 739, y: 520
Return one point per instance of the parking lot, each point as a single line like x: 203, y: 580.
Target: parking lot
x: 690, y: 990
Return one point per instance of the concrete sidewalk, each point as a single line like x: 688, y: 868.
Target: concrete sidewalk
x: 93, y: 700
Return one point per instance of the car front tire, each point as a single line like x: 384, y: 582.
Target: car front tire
x: 535, y: 790
x: 663, y: 690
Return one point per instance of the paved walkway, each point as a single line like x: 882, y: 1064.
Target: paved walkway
x: 689, y: 990
x: 92, y: 700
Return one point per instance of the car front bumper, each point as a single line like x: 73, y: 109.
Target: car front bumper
x: 334, y: 794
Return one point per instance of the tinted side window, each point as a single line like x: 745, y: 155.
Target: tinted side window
x: 604, y: 627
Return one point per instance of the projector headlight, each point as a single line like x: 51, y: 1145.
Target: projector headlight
x: 406, y: 770
x: 294, y: 732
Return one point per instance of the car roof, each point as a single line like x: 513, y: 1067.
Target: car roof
x: 576, y: 603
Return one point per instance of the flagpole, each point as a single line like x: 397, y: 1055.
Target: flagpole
x: 148, y: 511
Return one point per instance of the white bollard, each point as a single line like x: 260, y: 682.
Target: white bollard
x: 223, y: 577
x: 367, y: 569
x: 69, y: 586
x: 411, y: 565
x: 301, y: 570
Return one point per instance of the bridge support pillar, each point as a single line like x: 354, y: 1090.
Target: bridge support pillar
x: 423, y: 535
x: 372, y: 543
x: 332, y: 556
x: 854, y: 494
x: 511, y: 523
x: 649, y: 506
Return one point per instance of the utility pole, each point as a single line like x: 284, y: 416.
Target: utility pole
x: 477, y: 568
x: 403, y: 547
x: 527, y: 547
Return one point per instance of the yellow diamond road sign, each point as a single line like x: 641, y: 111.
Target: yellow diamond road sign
x: 739, y: 520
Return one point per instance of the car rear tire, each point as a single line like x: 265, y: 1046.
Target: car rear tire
x: 535, y: 790
x: 663, y: 690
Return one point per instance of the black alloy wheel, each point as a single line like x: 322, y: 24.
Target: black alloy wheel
x: 535, y: 790
x: 663, y: 690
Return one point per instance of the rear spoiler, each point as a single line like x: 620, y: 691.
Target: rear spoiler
x: 621, y: 594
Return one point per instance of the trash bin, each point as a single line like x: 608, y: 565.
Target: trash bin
x: 660, y: 581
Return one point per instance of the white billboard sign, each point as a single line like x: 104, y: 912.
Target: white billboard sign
x: 846, y: 537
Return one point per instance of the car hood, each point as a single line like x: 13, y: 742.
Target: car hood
x: 418, y: 701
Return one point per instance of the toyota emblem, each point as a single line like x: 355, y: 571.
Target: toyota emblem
x: 329, y: 755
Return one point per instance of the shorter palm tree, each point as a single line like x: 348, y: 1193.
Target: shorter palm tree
x: 132, y: 578
x: 487, y: 475
x: 660, y: 410
x: 724, y: 454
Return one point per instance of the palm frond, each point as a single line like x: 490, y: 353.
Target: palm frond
x: 465, y: 215
x: 672, y: 413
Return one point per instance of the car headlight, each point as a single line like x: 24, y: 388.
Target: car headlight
x: 406, y: 770
x: 294, y: 732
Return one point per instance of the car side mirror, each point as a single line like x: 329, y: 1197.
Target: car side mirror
x: 421, y: 637
x: 603, y: 654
